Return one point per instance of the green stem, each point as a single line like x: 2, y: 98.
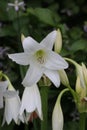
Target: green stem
x: 62, y: 92
x: 73, y: 93
x: 44, y: 97
x: 35, y: 123
x: 22, y: 68
x: 82, y: 121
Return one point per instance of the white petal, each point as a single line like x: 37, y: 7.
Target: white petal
x: 53, y: 76
x: 1, y: 100
x: 8, y: 115
x: 38, y: 102
x: 30, y: 45
x: 20, y: 58
x: 55, y: 61
x: 28, y: 100
x: 12, y: 106
x: 16, y: 106
x: 21, y: 3
x: 9, y: 94
x: 33, y: 75
x: 3, y: 85
x: 16, y: 7
x: 10, y: 4
x: 49, y: 40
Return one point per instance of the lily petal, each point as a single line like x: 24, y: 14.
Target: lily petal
x: 38, y: 102
x: 28, y: 103
x: 53, y: 76
x: 30, y: 45
x: 33, y: 75
x: 20, y: 58
x: 55, y: 61
x: 49, y: 40
x: 3, y: 86
x: 10, y: 4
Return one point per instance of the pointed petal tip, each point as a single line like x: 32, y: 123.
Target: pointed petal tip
x: 66, y: 65
x: 10, y: 56
x: 57, y: 84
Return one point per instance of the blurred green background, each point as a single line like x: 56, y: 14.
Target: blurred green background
x: 39, y: 18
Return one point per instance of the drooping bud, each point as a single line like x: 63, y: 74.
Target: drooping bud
x: 57, y: 115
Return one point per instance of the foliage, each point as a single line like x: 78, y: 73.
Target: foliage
x: 37, y: 20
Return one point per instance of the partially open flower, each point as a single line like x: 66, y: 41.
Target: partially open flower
x: 31, y: 102
x: 12, y: 107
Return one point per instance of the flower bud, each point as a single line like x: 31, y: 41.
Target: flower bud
x: 84, y: 69
x: 79, y: 89
x: 22, y: 37
x: 58, y: 42
x: 63, y: 77
x: 79, y: 71
x: 82, y: 99
x: 57, y: 115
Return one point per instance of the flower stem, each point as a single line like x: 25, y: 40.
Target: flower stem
x: 22, y: 68
x: 44, y: 97
x: 82, y: 121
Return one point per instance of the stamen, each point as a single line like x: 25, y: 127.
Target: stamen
x: 40, y: 60
x: 40, y: 56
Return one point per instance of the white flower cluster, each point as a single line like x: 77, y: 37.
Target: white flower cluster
x: 41, y: 60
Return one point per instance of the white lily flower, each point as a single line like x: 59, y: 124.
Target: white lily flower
x: 31, y: 101
x: 12, y: 107
x: 41, y: 58
x: 3, y: 86
x: 17, y: 5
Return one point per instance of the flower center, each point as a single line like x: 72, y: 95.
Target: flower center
x: 40, y: 56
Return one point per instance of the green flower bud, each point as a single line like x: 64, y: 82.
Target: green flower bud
x: 63, y: 77
x: 82, y: 99
x: 58, y: 42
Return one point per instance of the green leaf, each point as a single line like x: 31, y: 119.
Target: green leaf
x: 7, y: 31
x: 79, y: 45
x: 44, y: 15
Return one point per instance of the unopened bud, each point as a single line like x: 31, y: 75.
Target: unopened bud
x: 63, y: 77
x: 22, y: 37
x: 57, y: 115
x: 81, y: 93
x: 84, y: 69
x: 58, y: 42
